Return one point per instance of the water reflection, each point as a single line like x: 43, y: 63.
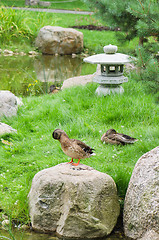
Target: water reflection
x: 31, y: 235
x: 24, y: 75
x: 57, y: 68
x: 26, y: 235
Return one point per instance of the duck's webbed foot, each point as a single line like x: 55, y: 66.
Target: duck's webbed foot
x: 71, y: 161
x: 76, y: 164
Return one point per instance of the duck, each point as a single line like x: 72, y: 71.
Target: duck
x: 73, y: 148
x: 54, y: 89
x: 112, y: 137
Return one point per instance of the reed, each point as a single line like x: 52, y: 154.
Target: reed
x: 19, y: 25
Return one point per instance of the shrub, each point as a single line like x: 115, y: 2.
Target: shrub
x: 133, y: 17
x: 147, y: 71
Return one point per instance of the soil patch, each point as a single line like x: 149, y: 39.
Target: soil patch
x: 97, y: 28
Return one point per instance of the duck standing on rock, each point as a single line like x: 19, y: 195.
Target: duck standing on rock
x: 112, y: 137
x: 72, y: 147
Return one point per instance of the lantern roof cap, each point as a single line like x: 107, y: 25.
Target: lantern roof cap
x: 109, y: 57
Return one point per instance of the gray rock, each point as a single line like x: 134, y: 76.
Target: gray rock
x: 76, y: 81
x: 150, y: 235
x: 31, y: 2
x: 8, y: 104
x: 5, y: 129
x: 80, y: 80
x: 45, y: 4
x: 74, y: 202
x: 141, y: 208
x: 58, y: 40
x: 7, y: 52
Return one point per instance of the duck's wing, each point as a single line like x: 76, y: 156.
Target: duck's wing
x: 83, y: 146
x: 124, y: 138
x: 109, y: 139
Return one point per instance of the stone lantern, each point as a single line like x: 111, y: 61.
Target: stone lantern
x: 111, y: 66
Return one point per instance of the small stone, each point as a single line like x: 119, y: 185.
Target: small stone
x: 33, y: 53
x: 22, y: 54
x: 25, y: 227
x: 6, y: 129
x: 5, y: 223
x: 45, y: 4
x: 74, y: 55
x: 33, y: 2
x: 7, y: 52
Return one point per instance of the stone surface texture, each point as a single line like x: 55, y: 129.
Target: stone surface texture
x: 73, y: 201
x: 141, y: 208
x: 45, y: 4
x: 58, y: 40
x: 31, y: 2
x: 80, y: 80
x: 76, y: 81
x: 34, y: 2
x: 150, y: 235
x: 8, y: 104
x: 5, y: 129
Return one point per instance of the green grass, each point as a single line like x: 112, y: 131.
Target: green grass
x: 19, y: 29
x: 84, y: 116
x: 59, y: 4
x: 77, y: 110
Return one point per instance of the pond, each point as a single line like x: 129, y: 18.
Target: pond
x: 31, y: 235
x: 19, y: 234
x: 26, y: 75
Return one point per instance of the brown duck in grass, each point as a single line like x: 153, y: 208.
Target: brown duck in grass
x: 73, y: 148
x: 54, y: 89
x: 112, y: 137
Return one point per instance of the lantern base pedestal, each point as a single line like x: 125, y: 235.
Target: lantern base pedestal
x: 107, y: 90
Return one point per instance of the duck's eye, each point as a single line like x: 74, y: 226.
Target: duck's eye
x: 56, y: 135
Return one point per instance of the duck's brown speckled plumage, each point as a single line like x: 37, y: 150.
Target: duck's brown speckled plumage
x: 112, y: 137
x: 72, y: 147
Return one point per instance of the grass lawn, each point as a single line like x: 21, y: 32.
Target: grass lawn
x: 84, y: 116
x: 78, y: 111
x: 19, y: 29
x: 60, y: 4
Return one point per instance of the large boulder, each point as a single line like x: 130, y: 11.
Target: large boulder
x: 141, y: 208
x: 74, y: 202
x: 58, y: 40
x: 8, y: 104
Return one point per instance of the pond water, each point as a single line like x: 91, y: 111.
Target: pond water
x: 25, y: 75
x: 31, y: 235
